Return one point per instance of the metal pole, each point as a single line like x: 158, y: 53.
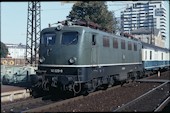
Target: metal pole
x: 151, y: 30
x: 33, y: 32
x: 0, y: 19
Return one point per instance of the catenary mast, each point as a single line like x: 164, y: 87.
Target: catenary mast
x: 33, y: 32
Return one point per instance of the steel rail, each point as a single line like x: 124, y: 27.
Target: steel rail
x: 163, y: 104
x: 10, y: 106
x: 52, y: 105
x: 139, y: 98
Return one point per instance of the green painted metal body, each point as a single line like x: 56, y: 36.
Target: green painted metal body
x: 85, y: 52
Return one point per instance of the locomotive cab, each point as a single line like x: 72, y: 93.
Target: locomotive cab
x: 63, y: 53
x: 55, y: 44
x: 68, y: 46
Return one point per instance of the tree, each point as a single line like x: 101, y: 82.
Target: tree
x: 95, y: 11
x: 4, y: 50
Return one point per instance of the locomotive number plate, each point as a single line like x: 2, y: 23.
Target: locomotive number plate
x: 57, y: 70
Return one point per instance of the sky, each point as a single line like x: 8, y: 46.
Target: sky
x: 14, y: 17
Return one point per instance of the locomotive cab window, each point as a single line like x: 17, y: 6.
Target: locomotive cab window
x: 48, y: 39
x: 69, y: 38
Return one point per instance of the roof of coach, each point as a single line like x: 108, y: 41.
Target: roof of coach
x: 150, y: 46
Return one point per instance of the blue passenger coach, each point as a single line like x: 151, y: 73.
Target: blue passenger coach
x: 154, y: 57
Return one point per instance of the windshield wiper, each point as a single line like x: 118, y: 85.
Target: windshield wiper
x: 72, y: 41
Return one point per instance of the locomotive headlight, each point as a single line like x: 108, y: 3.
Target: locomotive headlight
x: 72, y: 60
x: 42, y: 59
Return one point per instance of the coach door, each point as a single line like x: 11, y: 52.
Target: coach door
x: 94, y: 50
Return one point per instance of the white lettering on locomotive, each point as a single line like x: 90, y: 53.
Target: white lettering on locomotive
x: 57, y: 70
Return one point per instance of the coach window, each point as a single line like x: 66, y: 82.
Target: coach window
x: 69, y: 38
x: 122, y: 44
x: 129, y: 46
x: 150, y: 55
x: 115, y: 43
x: 93, y: 39
x: 106, y: 42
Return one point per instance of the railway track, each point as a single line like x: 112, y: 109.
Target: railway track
x: 60, y: 103
x: 24, y: 105
x: 150, y: 101
x: 39, y: 105
x: 52, y: 106
x: 162, y: 105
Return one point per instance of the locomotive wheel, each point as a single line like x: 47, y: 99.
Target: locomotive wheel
x: 111, y: 82
x: 85, y: 93
x: 122, y: 82
x: 84, y: 90
x: 35, y: 93
x: 55, y: 93
x: 138, y: 75
x: 94, y: 85
x: 104, y: 86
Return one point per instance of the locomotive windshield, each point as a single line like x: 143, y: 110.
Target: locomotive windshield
x: 48, y: 39
x: 69, y: 38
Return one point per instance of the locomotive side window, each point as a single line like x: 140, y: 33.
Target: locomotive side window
x: 69, y: 38
x: 106, y: 42
x: 115, y: 43
x: 48, y: 39
x: 135, y: 47
x: 93, y: 39
x: 122, y: 44
x: 129, y: 46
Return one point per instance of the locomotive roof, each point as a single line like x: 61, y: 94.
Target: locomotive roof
x: 93, y: 30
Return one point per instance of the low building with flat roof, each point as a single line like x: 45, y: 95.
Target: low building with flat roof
x: 16, y: 50
x: 150, y: 36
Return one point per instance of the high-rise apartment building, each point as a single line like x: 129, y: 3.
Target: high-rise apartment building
x: 146, y: 14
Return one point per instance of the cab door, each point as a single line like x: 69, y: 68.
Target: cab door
x: 94, y: 52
